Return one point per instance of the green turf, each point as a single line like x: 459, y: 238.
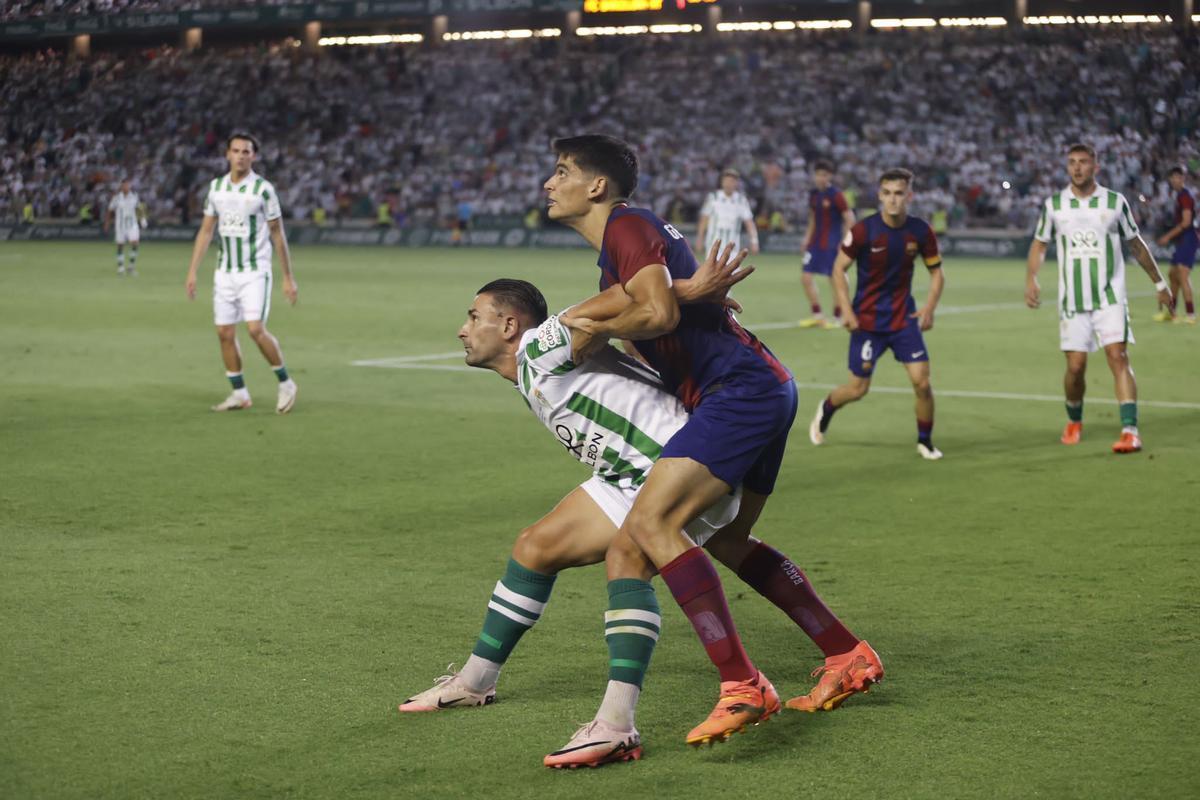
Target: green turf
x: 209, y: 606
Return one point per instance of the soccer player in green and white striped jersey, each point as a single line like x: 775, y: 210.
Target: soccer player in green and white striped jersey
x: 1088, y: 224
x: 612, y: 414
x: 126, y: 215
x: 243, y: 207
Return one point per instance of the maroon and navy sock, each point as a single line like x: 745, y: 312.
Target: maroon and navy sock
x: 816, y: 309
x: 1191, y: 308
x: 771, y: 574
x: 925, y: 432
x: 827, y: 410
x: 694, y: 583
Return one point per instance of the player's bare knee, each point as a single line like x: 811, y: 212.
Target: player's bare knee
x: 859, y: 389
x: 257, y: 331
x: 226, y: 333
x: 923, y: 387
x: 536, y: 550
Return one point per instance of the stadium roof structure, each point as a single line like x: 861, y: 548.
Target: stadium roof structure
x: 429, y: 17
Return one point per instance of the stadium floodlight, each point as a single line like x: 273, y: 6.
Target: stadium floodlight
x: 377, y: 39
x: 637, y: 30
x: 972, y: 22
x: 1102, y: 19
x: 516, y: 33
x: 909, y: 22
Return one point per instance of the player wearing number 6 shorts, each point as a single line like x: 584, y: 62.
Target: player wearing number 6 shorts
x: 1087, y: 224
x: 883, y: 315
x: 243, y: 207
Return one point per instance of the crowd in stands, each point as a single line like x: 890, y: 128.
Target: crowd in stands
x: 983, y: 118
x: 36, y: 9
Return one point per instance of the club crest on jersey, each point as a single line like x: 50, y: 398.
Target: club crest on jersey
x: 910, y: 248
x: 825, y: 203
x: 541, y: 398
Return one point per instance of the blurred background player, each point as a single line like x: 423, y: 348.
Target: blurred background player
x: 1184, y: 235
x: 1087, y: 223
x: 244, y: 208
x: 828, y: 212
x: 725, y: 214
x: 884, y: 315
x: 126, y: 216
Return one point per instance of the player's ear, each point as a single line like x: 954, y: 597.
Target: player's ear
x: 598, y: 188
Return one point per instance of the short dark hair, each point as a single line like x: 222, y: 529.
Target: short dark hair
x: 1080, y: 147
x: 822, y: 165
x: 1178, y: 169
x: 603, y: 155
x: 241, y: 135
x: 519, y: 296
x: 897, y: 174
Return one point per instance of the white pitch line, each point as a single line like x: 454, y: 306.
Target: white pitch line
x: 421, y: 362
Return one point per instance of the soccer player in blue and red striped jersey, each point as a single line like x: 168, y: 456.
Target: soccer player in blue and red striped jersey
x: 1186, y: 240
x: 741, y: 401
x: 883, y: 315
x: 828, y: 212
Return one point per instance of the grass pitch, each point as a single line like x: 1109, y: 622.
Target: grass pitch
x: 202, y: 605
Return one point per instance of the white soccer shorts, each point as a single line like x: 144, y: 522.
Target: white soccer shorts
x: 241, y: 297
x: 616, y: 502
x: 128, y: 234
x: 1088, y: 331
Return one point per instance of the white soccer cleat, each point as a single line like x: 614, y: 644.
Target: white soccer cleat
x: 814, y: 428
x: 287, y: 396
x: 449, y: 691
x: 596, y: 744
x: 235, y: 402
x: 928, y: 453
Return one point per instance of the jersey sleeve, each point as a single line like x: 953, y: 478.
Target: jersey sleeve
x: 547, y: 348
x: 633, y: 243
x: 112, y: 203
x: 931, y: 254
x: 271, y: 203
x: 839, y: 202
x: 1126, y: 225
x: 1186, y: 203
x: 747, y: 211
x: 1044, y: 231
x: 210, y: 210
x: 707, y: 209
x: 854, y: 240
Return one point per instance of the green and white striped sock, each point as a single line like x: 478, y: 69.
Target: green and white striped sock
x: 516, y: 605
x: 631, y: 628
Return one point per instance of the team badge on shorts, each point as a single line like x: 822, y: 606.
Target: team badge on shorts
x: 866, y: 365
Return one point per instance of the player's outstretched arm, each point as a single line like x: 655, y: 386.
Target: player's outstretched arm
x: 279, y: 242
x: 652, y: 311
x: 1144, y: 257
x: 1033, y: 263
x: 199, y: 248
x: 841, y: 288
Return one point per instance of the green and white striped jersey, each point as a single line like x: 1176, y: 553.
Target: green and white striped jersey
x: 591, y: 407
x: 125, y: 211
x: 1087, y: 233
x: 727, y: 215
x: 243, y: 211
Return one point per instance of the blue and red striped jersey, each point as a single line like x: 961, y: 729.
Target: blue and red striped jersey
x: 826, y: 206
x: 1185, y: 202
x: 883, y: 298
x: 708, y: 347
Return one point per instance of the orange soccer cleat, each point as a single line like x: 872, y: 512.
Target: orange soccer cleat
x: 1072, y: 433
x: 741, y: 703
x: 841, y: 676
x: 1128, y: 443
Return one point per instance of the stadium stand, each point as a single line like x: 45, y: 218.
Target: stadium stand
x: 978, y: 115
